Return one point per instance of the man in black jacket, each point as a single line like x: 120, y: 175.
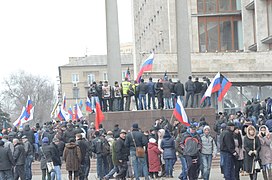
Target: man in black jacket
x: 122, y: 153
x: 137, y: 138
x: 19, y: 157
x: 6, y: 162
x: 198, y: 88
x: 56, y: 159
x: 190, y: 91
x: 29, y: 157
x: 142, y: 89
x: 179, y: 90
x: 83, y: 149
x: 227, y: 151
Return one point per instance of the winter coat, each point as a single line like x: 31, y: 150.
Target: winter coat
x: 142, y: 88
x: 179, y: 89
x: 29, y: 134
x: 69, y: 133
x: 166, y: 89
x: 72, y: 157
x: 116, y: 132
x: 140, y: 140
x: 190, y: 86
x: 266, y: 151
x: 227, y: 142
x: 19, y: 155
x: 151, y: 87
x: 6, y: 159
x: 208, y: 145
x: 248, y: 146
x: 153, y: 157
x: 168, y: 146
x: 55, y: 154
x: 198, y: 87
x: 268, y: 123
x: 82, y: 144
x: 45, y: 154
x: 121, y: 151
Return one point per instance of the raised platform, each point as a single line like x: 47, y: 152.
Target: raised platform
x: 146, y: 118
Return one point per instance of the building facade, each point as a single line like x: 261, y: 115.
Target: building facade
x: 80, y: 72
x: 233, y: 37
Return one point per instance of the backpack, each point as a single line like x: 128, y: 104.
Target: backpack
x: 105, y: 148
x: 191, y: 146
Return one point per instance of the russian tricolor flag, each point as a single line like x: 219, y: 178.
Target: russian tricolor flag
x: 78, y: 113
x: 62, y: 114
x: 29, y: 109
x: 21, y: 118
x: 213, y: 87
x: 146, y: 66
x: 88, y: 105
x: 180, y: 113
x: 64, y: 101
x: 70, y: 112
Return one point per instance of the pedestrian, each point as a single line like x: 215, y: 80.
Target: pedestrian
x: 190, y: 91
x: 161, y: 133
x: 208, y: 151
x: 83, y: 146
x: 142, y: 89
x: 252, y: 148
x: 127, y: 93
x: 179, y: 90
x: 19, y: 157
x: 168, y: 103
x: 46, y: 156
x: 107, y: 97
x: 133, y: 140
x: 117, y: 97
x: 122, y: 153
x: 169, y: 153
x: 265, y: 152
x: 56, y: 159
x: 6, y: 162
x: 238, y: 160
x: 151, y: 94
x: 72, y: 157
x: 191, y: 144
x: 153, y: 158
x: 29, y: 157
x: 227, y: 151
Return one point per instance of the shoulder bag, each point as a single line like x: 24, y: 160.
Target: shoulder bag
x: 140, y: 152
x: 49, y: 165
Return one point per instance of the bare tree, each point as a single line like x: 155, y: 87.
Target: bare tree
x: 16, y: 89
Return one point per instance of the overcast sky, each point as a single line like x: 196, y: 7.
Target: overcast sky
x: 38, y: 36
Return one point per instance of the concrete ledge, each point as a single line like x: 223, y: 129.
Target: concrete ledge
x: 267, y: 40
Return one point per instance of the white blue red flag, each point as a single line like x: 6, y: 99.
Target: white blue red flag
x: 128, y: 74
x: 62, y: 115
x: 78, y: 113
x: 146, y: 66
x: 213, y: 87
x: 88, y: 105
x: 21, y: 118
x: 29, y: 110
x: 180, y: 113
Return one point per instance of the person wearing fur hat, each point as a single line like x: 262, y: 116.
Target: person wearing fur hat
x: 265, y: 152
x: 208, y: 151
x: 161, y: 133
x: 252, y: 148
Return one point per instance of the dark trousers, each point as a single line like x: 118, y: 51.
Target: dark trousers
x: 238, y: 164
x: 122, y: 170
x: 107, y: 103
x: 160, y: 101
x: 6, y: 175
x: 188, y: 95
x: 28, y: 169
x: 19, y: 172
x: 44, y: 174
x: 228, y: 165
x: 193, y: 164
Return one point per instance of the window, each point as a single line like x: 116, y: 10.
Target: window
x: 75, y: 93
x: 105, y: 76
x: 220, y: 33
x: 218, y: 6
x: 90, y: 78
x: 75, y: 78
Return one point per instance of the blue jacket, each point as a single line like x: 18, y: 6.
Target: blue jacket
x: 151, y: 87
x: 168, y: 146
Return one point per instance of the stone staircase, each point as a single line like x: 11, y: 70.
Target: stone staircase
x: 36, y: 170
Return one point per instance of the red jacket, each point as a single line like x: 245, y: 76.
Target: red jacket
x: 153, y: 157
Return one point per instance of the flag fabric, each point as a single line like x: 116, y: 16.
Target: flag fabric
x: 18, y: 122
x: 78, y: 113
x: 213, y: 87
x: 146, y: 66
x: 88, y: 105
x: 64, y: 101
x: 80, y: 104
x: 29, y: 110
x: 62, y: 114
x: 128, y: 74
x: 54, y: 111
x: 225, y: 86
x: 99, y: 116
x: 70, y: 113
x: 180, y: 113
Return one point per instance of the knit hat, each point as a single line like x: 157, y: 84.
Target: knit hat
x: 45, y: 140
x: 206, y: 127
x: 152, y: 140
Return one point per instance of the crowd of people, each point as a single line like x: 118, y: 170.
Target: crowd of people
x: 148, y: 95
x: 242, y: 140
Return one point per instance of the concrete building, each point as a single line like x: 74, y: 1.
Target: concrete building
x: 80, y: 72
x: 233, y: 37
